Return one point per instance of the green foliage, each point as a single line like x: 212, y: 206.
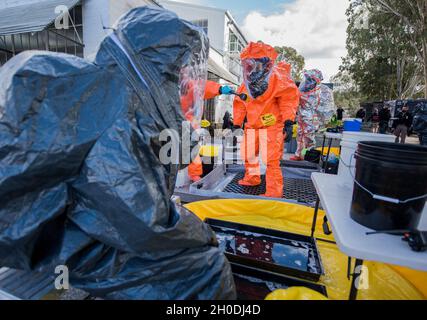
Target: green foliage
x: 291, y: 56
x: 381, y: 61
x: 346, y: 94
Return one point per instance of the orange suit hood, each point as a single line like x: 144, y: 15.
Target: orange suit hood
x: 285, y: 68
x: 258, y: 50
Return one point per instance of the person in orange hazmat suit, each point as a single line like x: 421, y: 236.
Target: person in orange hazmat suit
x: 212, y: 89
x: 285, y: 68
x: 272, y: 100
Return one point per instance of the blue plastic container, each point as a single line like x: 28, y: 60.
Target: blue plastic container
x: 353, y: 125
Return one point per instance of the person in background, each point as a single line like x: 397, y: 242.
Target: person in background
x: 403, y: 122
x: 361, y: 114
x: 385, y: 117
x: 375, y: 119
x: 286, y: 69
x: 308, y: 122
x: 420, y: 123
x: 288, y: 131
x: 340, y: 114
x: 227, y: 121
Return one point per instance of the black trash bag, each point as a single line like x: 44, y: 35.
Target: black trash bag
x: 81, y: 183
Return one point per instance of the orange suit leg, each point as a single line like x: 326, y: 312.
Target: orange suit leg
x: 274, y: 175
x: 249, y: 153
x: 195, y: 169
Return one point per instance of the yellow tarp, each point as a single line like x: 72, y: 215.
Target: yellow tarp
x: 295, y: 293
x: 335, y: 151
x: 385, y: 282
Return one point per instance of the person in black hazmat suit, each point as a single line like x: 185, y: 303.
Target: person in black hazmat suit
x: 81, y: 180
x: 420, y: 122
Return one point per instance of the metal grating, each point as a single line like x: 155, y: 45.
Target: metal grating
x: 25, y: 285
x: 301, y: 190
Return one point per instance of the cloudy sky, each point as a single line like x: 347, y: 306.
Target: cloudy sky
x: 316, y: 28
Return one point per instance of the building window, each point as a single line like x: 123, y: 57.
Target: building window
x: 235, y: 45
x: 202, y: 24
x: 51, y: 39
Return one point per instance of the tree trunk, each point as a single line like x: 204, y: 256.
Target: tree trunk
x: 423, y: 13
x: 425, y: 68
x: 399, y: 76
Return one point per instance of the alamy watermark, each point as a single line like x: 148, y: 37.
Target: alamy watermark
x: 362, y: 20
x: 178, y: 148
x: 362, y: 279
x: 62, y: 280
x: 62, y: 20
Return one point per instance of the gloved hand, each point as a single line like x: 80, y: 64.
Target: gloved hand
x: 289, y: 123
x: 225, y: 90
x: 235, y: 127
x: 287, y: 131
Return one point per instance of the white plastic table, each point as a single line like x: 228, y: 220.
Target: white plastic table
x: 351, y: 237
x: 331, y: 135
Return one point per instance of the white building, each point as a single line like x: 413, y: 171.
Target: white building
x: 33, y: 24
x: 104, y: 13
x: 226, y: 41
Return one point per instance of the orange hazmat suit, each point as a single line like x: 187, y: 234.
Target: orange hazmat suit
x: 195, y: 169
x: 285, y: 68
x: 273, y: 99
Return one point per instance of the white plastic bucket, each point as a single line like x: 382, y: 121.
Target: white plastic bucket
x: 349, y: 142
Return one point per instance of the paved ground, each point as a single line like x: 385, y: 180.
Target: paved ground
x: 409, y: 140
x: 413, y: 140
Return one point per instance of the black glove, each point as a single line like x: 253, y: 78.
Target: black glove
x: 288, y: 124
x: 236, y: 127
x: 288, y: 130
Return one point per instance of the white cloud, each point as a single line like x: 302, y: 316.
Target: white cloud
x: 316, y: 28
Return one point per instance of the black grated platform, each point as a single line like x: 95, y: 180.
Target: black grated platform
x: 25, y: 285
x: 301, y: 190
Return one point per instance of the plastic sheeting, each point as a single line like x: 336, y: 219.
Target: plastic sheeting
x: 385, y: 282
x: 192, y: 84
x: 256, y: 74
x: 81, y: 182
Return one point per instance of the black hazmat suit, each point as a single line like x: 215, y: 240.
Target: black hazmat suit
x: 420, y: 122
x: 81, y: 183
